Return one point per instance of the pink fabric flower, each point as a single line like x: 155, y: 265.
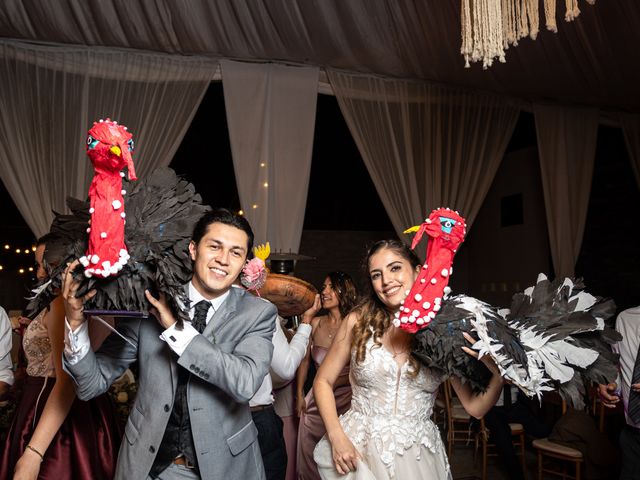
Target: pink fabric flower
x: 254, y: 274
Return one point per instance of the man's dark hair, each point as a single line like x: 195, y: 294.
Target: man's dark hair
x: 227, y: 217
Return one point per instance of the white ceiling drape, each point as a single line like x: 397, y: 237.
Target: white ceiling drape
x: 49, y: 98
x: 567, y: 148
x: 271, y: 114
x: 590, y: 61
x: 425, y: 146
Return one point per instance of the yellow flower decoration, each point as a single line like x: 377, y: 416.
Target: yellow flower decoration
x: 262, y: 251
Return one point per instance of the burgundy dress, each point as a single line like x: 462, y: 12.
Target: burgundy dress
x: 311, y: 428
x: 85, y: 447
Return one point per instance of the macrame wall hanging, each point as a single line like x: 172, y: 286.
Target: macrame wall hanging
x: 490, y: 26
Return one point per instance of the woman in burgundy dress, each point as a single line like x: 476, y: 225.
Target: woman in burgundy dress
x: 54, y: 435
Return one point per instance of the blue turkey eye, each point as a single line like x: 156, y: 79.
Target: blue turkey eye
x: 447, y: 224
x: 130, y: 143
x: 92, y: 142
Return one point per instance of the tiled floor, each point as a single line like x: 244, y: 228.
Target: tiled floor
x: 464, y: 467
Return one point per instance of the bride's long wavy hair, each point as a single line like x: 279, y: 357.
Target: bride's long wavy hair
x: 373, y: 316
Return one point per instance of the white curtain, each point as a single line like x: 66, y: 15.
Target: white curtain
x: 631, y: 128
x: 50, y: 96
x: 425, y: 146
x: 567, y: 146
x: 271, y: 112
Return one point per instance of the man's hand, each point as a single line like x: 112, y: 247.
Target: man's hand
x: 73, y: 306
x: 313, y: 310
x: 608, y: 395
x: 161, y: 310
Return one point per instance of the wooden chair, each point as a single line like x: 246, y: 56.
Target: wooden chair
x: 458, y: 420
x: 567, y: 456
x: 484, y: 438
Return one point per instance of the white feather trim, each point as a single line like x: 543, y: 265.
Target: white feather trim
x: 38, y: 290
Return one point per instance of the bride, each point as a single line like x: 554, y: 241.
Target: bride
x: 388, y: 432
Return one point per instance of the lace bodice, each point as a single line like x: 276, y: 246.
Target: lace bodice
x: 391, y: 406
x: 37, y: 349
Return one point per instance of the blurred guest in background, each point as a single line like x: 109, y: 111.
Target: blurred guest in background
x: 338, y: 296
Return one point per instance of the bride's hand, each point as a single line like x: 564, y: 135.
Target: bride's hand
x: 344, y: 453
x: 486, y: 359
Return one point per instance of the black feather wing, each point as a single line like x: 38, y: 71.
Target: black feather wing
x: 161, y: 211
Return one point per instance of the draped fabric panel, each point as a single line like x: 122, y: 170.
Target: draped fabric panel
x: 567, y: 146
x: 589, y: 61
x: 49, y: 97
x: 271, y: 111
x: 425, y: 146
x: 631, y: 129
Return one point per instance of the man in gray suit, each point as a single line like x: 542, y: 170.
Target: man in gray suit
x: 191, y: 416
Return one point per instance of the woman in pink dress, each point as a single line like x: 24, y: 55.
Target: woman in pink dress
x: 338, y: 296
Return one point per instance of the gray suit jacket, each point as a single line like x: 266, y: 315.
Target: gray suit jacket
x: 225, y: 375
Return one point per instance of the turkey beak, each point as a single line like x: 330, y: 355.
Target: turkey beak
x: 115, y: 150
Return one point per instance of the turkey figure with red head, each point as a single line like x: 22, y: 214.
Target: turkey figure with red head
x: 554, y: 336
x: 445, y: 229
x: 109, y: 147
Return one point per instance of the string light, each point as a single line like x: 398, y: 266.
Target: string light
x: 263, y: 164
x: 265, y: 184
x: 254, y: 206
x: 240, y: 212
x: 9, y: 265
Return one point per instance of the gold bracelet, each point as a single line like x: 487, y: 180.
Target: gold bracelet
x: 36, y: 452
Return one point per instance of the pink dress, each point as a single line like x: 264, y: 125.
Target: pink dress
x: 311, y: 428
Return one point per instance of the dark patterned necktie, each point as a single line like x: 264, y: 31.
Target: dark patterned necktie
x: 200, y: 316
x: 633, y: 408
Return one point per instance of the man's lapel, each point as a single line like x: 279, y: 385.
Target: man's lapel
x: 223, y: 315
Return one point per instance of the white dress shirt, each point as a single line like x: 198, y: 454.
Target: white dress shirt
x: 6, y: 364
x: 77, y: 344
x: 628, y: 324
x: 286, y: 359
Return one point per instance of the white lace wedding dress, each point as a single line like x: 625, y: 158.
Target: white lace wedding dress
x: 389, y: 423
